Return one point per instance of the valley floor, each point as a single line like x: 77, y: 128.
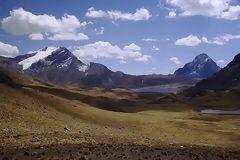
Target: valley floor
x: 45, y: 122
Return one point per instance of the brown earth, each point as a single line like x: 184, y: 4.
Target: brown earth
x: 44, y: 121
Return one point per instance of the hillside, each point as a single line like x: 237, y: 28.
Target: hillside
x: 40, y: 120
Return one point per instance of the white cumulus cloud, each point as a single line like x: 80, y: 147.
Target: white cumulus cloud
x: 205, y: 40
x: 149, y: 39
x: 95, y: 13
x: 154, y: 48
x: 143, y: 58
x: 68, y: 36
x: 212, y: 8
x: 102, y: 49
x: 220, y: 40
x: 175, y: 60
x: 21, y: 22
x: 190, y: 40
x: 122, y: 62
x: 36, y: 36
x: 233, y: 13
x: 8, y: 50
x: 100, y: 31
x: 228, y: 37
x: 140, y: 14
x: 172, y: 14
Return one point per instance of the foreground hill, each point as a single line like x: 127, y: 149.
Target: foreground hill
x: 5, y: 78
x: 46, y: 121
x: 226, y: 79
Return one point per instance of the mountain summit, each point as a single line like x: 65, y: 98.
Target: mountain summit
x: 201, y: 67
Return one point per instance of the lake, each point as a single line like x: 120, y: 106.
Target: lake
x: 156, y: 90
x: 212, y: 111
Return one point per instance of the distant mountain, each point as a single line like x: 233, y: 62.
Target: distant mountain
x: 59, y: 65
x: 227, y: 78
x: 201, y: 67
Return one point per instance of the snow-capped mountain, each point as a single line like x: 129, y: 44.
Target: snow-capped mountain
x: 55, y: 64
x: 201, y: 67
x: 37, y: 55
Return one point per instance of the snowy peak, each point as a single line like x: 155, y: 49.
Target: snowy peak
x: 54, y: 64
x: 50, y: 48
x: 54, y: 57
x: 202, y: 58
x: 40, y: 54
x: 202, y: 67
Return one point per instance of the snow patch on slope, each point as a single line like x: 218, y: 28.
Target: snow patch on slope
x: 41, y: 54
x: 66, y: 63
x: 83, y: 68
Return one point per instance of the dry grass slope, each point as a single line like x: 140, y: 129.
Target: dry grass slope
x: 40, y: 121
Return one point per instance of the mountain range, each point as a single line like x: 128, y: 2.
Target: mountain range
x: 59, y: 65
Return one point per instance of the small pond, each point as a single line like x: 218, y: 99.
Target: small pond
x: 213, y: 111
x: 156, y: 90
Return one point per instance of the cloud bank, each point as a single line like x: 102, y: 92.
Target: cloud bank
x: 193, y: 40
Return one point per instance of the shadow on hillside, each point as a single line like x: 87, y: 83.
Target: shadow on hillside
x: 101, y: 102
x: 143, y: 101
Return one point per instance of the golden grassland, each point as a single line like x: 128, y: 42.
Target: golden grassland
x: 37, y: 114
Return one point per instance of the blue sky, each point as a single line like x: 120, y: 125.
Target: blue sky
x: 136, y: 37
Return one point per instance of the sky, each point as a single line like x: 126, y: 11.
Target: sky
x: 133, y: 36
